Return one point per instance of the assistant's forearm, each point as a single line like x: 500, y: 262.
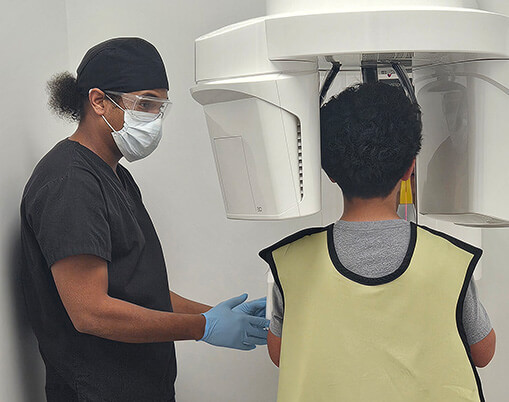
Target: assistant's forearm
x: 121, y: 321
x: 182, y: 305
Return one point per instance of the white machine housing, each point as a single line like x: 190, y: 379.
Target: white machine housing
x: 258, y: 82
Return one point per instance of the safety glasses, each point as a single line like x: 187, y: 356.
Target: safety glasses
x: 150, y: 107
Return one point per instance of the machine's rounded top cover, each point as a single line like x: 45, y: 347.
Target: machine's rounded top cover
x: 321, y: 6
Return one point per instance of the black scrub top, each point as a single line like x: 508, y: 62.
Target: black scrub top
x: 75, y: 204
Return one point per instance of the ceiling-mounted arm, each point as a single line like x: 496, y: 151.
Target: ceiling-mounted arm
x: 329, y: 79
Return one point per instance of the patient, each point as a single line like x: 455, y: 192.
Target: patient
x: 372, y: 307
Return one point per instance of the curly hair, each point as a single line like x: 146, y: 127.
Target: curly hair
x: 370, y: 134
x: 65, y: 100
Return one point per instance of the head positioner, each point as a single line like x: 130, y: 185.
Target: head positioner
x: 123, y: 65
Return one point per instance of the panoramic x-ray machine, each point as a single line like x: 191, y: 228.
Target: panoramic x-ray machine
x: 258, y: 82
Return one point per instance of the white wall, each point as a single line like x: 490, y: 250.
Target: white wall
x: 34, y: 46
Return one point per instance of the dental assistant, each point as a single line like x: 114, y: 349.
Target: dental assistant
x: 94, y: 275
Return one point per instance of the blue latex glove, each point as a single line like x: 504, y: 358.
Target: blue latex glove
x: 234, y: 329
x: 254, y: 307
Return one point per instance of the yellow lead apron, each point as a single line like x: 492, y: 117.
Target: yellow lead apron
x: 398, y: 338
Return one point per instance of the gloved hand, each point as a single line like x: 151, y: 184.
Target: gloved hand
x: 234, y: 329
x: 253, y: 307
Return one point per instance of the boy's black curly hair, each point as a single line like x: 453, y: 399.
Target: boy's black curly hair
x: 370, y: 134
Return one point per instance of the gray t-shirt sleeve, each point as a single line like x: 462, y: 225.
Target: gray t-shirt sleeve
x: 276, y: 320
x: 475, y: 318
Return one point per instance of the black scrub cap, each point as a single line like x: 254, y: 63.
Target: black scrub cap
x: 122, y: 65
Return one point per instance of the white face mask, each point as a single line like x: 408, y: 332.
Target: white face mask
x: 137, y: 139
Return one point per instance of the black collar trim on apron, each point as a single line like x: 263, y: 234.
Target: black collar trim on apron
x: 371, y: 281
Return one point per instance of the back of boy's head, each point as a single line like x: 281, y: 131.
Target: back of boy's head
x: 370, y: 134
